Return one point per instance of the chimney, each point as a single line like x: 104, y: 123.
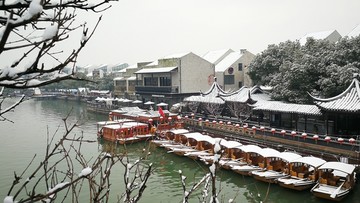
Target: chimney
x: 242, y: 51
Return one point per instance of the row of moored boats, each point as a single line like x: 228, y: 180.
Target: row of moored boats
x: 329, y: 180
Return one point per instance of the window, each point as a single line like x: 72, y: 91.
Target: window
x: 165, y: 81
x: 240, y: 84
x: 229, y: 79
x: 240, y: 66
x: 148, y: 81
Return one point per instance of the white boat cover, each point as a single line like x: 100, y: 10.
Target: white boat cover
x: 250, y: 148
x: 339, y: 166
x: 310, y: 160
x: 269, y: 152
x: 289, y: 156
x: 230, y: 144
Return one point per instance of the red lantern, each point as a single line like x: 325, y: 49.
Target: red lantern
x: 316, y: 137
x: 179, y: 117
x: 221, y: 122
x: 283, y: 132
x: 237, y: 125
x: 245, y: 127
x: 254, y: 129
x: 207, y: 120
x: 304, y: 135
x: 340, y: 140
x: 186, y: 117
x: 293, y: 133
x: 150, y: 120
x: 352, y: 140
x: 229, y: 123
x: 273, y: 131
x: 200, y: 119
x: 327, y: 139
x: 169, y: 118
x: 262, y: 128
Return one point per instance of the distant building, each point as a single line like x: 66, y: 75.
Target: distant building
x: 124, y: 82
x: 231, y: 68
x: 174, y: 78
x: 330, y: 35
x: 117, y: 67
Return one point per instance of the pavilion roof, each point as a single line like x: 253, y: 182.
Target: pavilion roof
x: 347, y: 101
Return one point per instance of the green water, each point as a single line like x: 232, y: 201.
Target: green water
x: 34, y: 119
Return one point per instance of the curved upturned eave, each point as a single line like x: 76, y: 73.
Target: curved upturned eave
x: 355, y: 81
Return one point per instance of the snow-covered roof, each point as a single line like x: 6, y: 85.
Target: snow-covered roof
x: 228, y: 61
x: 210, y: 96
x: 125, y: 125
x: 179, y: 131
x: 177, y: 55
x: 154, y: 63
x: 289, y: 156
x: 119, y: 78
x: 278, y: 106
x: 316, y: 35
x: 215, y: 56
x: 310, y: 160
x: 355, y: 32
x: 244, y: 94
x: 156, y: 70
x: 347, y: 101
x: 339, y: 166
x: 131, y: 78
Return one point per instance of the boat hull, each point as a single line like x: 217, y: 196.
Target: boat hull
x: 325, y: 192
x: 295, y: 184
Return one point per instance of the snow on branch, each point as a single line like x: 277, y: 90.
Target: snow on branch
x: 33, y: 34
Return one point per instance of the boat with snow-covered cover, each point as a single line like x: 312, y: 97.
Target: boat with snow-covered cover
x: 303, y: 173
x: 336, y: 180
x: 275, y: 165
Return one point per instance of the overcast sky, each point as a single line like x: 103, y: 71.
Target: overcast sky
x: 144, y: 30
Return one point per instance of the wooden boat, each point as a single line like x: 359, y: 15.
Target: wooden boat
x: 252, y: 157
x: 336, y: 180
x: 275, y: 165
x: 184, y: 143
x: 303, y: 173
x: 227, y: 156
x: 163, y: 122
x: 101, y: 124
x: 205, y: 147
x: 127, y: 132
x: 168, y: 137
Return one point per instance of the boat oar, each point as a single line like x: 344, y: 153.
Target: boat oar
x: 333, y: 195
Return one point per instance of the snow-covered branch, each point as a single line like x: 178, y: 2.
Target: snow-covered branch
x: 34, y: 33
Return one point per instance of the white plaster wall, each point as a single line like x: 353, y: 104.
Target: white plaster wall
x: 194, y: 73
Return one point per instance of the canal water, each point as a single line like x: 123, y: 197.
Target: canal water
x: 26, y: 136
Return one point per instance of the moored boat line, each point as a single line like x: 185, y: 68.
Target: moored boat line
x: 288, y: 169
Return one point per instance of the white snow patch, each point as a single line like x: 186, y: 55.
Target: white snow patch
x: 50, y: 32
x: 9, y: 199
x: 212, y: 169
x: 35, y: 8
x: 86, y: 171
x: 58, y: 186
